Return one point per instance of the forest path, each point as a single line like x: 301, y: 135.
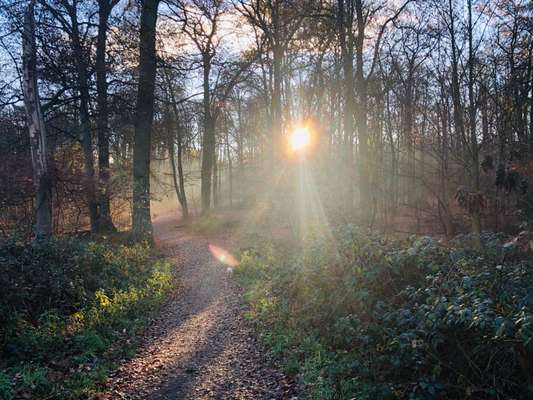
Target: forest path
x: 199, y: 347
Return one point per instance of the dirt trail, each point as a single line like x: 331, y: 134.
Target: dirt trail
x: 200, y: 347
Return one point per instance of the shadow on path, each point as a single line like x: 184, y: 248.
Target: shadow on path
x: 200, y: 347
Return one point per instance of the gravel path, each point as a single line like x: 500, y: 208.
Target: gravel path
x: 200, y: 347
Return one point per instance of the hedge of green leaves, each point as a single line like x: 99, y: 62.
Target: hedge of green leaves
x: 357, y: 316
x: 68, y: 310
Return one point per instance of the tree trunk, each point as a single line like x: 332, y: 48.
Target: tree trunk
x: 179, y: 180
x: 208, y: 141
x: 346, y: 41
x: 407, y: 108
x: 142, y: 224
x: 443, y: 172
x: 277, y: 55
x: 240, y: 152
x: 36, y: 128
x: 474, y: 150
x: 215, y: 182
x: 105, y: 220
x: 87, y: 141
x: 392, y: 206
x: 230, y: 168
x: 361, y: 116
x: 456, y: 94
x: 483, y: 98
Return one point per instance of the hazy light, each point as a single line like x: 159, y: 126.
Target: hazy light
x: 224, y: 256
x: 300, y: 138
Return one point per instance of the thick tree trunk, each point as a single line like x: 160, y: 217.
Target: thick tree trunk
x: 105, y: 220
x: 36, y: 128
x: 142, y: 224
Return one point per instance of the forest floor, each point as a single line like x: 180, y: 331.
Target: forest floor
x: 200, y: 346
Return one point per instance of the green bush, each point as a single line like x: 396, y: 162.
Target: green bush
x: 63, y: 308
x: 357, y: 316
x: 6, y: 391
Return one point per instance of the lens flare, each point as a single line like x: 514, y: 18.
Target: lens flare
x: 224, y: 256
x: 300, y: 138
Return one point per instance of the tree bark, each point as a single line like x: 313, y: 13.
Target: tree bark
x: 277, y: 57
x: 85, y: 123
x: 474, y: 149
x: 183, y: 196
x: 216, y: 182
x: 240, y: 151
x: 347, y: 50
x: 230, y: 166
x: 361, y: 116
x: 456, y: 94
x: 177, y: 177
x: 105, y: 220
x: 37, y: 131
x: 141, y: 221
x: 208, y: 140
x: 184, y: 205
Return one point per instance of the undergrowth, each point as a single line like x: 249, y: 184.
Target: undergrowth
x: 357, y: 316
x: 211, y: 224
x: 69, y: 310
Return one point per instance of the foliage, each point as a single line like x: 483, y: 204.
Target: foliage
x: 211, y: 224
x: 357, y: 316
x: 6, y: 391
x: 473, y: 202
x: 68, y: 308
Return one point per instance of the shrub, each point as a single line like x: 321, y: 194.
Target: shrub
x: 63, y: 307
x: 6, y: 391
x: 371, y: 318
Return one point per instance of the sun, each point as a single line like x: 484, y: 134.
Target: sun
x: 300, y: 138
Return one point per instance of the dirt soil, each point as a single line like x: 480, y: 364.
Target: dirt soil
x: 200, y: 346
